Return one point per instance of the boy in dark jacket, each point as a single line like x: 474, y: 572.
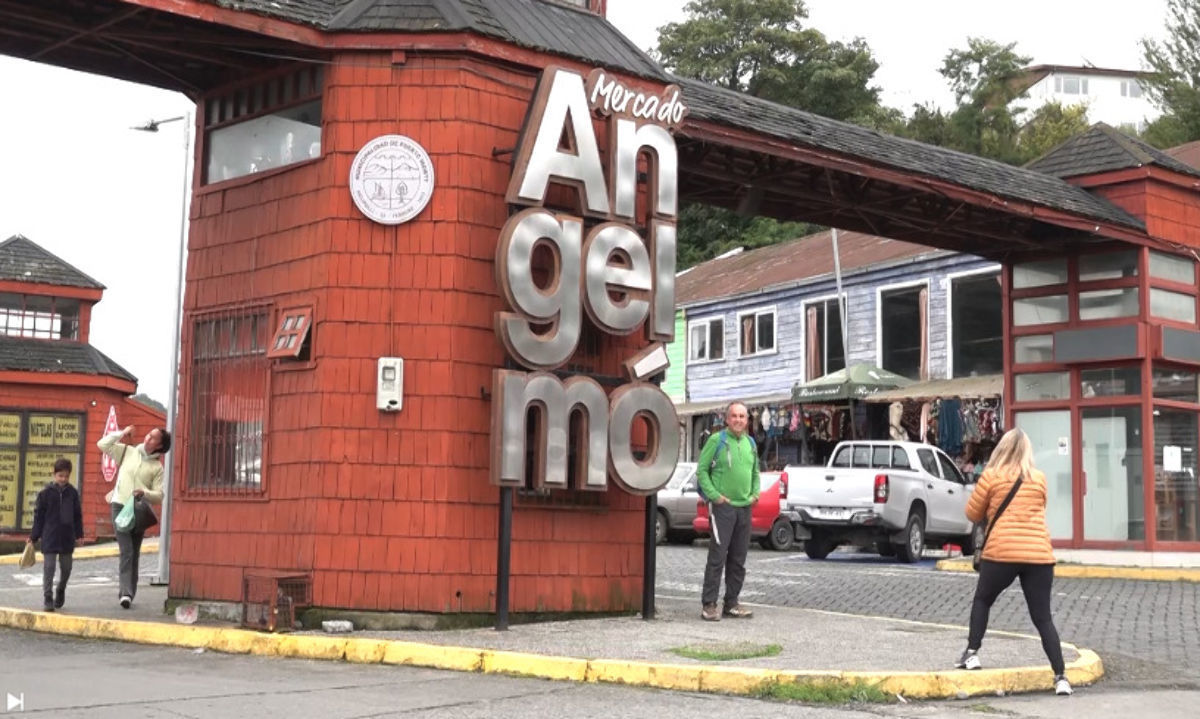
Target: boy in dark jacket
x: 58, y: 522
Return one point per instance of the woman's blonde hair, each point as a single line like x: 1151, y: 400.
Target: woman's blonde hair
x: 1013, y: 454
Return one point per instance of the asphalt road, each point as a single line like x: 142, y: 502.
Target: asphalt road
x: 1148, y: 633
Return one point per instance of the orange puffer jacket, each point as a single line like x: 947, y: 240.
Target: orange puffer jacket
x: 1021, y: 535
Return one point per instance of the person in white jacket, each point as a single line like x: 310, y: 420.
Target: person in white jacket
x: 140, y: 475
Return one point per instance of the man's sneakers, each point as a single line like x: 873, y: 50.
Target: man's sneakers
x: 47, y: 604
x: 1062, y: 687
x: 126, y: 600
x: 60, y: 597
x: 737, y: 611
x: 969, y: 660
x: 709, y: 613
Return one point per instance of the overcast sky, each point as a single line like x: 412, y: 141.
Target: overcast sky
x: 76, y: 180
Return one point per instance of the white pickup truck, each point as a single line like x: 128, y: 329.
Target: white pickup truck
x: 897, y: 496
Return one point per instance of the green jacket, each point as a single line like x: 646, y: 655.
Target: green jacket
x: 734, y: 475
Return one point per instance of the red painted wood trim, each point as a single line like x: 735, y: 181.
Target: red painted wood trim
x: 42, y: 288
x: 67, y: 379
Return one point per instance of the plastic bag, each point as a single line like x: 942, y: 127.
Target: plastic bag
x: 29, y: 556
x: 125, y: 518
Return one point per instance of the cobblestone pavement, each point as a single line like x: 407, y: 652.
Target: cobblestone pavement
x: 1148, y: 633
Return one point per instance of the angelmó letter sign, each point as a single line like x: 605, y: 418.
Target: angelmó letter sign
x: 617, y: 268
x: 108, y: 465
x: 391, y: 179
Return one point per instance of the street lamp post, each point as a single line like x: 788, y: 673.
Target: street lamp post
x: 164, y: 541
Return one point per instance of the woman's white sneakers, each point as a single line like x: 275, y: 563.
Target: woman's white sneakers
x: 1062, y: 687
x: 969, y: 660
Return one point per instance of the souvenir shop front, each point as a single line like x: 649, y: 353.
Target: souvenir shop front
x: 962, y: 417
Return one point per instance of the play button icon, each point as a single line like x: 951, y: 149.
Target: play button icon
x: 17, y: 702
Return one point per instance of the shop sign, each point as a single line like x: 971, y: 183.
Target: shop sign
x: 391, y: 179
x: 108, y: 465
x: 620, y: 272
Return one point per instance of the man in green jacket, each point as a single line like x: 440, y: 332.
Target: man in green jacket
x: 729, y: 479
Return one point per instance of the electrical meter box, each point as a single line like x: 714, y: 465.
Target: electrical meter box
x: 389, y: 387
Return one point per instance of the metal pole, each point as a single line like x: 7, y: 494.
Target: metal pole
x: 164, y: 530
x: 649, y: 555
x: 837, y: 275
x: 503, y: 558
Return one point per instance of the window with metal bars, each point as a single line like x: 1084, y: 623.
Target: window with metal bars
x: 228, y: 402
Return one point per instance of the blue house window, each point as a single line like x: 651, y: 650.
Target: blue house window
x: 823, y: 334
x: 756, y: 332
x: 706, y: 340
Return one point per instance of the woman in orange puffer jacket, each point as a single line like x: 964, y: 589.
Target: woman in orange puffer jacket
x: 1017, y: 546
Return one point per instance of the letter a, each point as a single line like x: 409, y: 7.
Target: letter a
x: 560, y: 103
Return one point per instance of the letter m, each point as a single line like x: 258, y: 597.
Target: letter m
x: 538, y: 406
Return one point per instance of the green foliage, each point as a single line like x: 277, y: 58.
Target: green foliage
x: 831, y: 691
x: 1174, y: 82
x: 727, y: 652
x: 1050, y: 126
x: 763, y: 48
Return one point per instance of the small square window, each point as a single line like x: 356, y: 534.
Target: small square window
x: 293, y: 330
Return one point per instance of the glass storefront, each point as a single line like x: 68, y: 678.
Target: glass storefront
x: 1175, y: 475
x: 1113, y: 506
x: 1050, y: 433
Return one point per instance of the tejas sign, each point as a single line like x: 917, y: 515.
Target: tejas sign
x: 622, y: 280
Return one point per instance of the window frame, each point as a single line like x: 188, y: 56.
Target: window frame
x: 27, y: 315
x: 823, y: 301
x: 771, y: 310
x: 993, y: 269
x: 901, y: 287
x: 190, y: 436
x: 304, y: 313
x: 708, y: 321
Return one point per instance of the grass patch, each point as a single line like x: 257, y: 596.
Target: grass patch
x: 824, y: 692
x: 727, y: 652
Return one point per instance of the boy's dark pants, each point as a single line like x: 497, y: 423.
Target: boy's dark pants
x: 733, y: 526
x: 65, y: 562
x: 130, y: 544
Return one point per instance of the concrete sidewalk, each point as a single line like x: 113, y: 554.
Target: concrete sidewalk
x: 903, y: 658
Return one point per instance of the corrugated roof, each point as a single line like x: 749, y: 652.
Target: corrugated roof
x: 23, y: 260
x: 57, y: 356
x: 1104, y: 149
x: 1188, y: 154
x: 725, y: 107
x: 790, y: 262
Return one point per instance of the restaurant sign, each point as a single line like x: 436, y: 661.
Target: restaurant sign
x: 617, y: 270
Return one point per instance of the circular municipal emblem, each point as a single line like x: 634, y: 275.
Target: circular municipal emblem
x: 391, y: 179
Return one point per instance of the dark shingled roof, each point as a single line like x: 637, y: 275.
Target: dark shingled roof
x: 1104, y: 149
x: 57, y: 356
x: 726, y: 107
x: 536, y: 24
x: 570, y: 32
x: 789, y: 263
x: 23, y: 260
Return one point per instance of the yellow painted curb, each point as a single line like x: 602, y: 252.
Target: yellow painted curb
x: 106, y: 550
x: 1095, y: 571
x: 687, y: 677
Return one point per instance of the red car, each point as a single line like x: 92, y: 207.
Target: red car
x: 771, y: 530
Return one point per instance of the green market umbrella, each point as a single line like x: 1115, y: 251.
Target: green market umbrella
x: 853, y: 382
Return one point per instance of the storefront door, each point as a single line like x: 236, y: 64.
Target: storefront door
x: 1113, y: 493
x: 1050, y: 433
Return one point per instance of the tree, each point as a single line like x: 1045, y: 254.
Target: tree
x: 1174, y: 81
x: 1050, y: 126
x: 762, y: 48
x: 985, y: 80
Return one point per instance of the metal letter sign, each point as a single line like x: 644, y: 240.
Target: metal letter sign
x: 619, y: 278
x: 108, y: 465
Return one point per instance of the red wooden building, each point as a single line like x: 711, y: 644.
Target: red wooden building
x: 56, y: 389
x: 294, y: 294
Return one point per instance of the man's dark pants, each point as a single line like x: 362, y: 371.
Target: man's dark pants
x: 732, y: 527
x: 130, y: 544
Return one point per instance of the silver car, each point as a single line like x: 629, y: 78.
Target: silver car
x: 677, y: 506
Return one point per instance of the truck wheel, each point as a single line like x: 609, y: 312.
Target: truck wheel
x: 782, y: 535
x: 885, y: 548
x: 660, y: 527
x: 819, y: 547
x: 972, y: 540
x: 914, y: 539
